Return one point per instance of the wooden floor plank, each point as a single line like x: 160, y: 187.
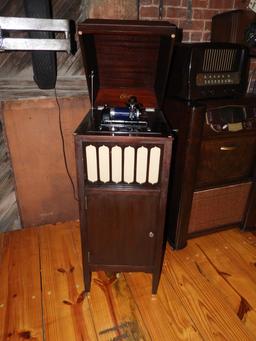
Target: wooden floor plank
x: 20, y: 293
x: 203, y: 265
x: 163, y: 314
x: 208, y: 309
x: 206, y: 291
x: 227, y: 257
x: 244, y: 243
x: 228, y: 262
x: 199, y: 263
x: 67, y: 314
x: 114, y: 310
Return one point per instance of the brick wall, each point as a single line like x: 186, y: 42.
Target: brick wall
x: 193, y: 16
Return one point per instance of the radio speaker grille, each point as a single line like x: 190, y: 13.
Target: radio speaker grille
x: 221, y: 60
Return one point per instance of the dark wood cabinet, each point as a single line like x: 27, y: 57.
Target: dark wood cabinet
x: 123, y: 168
x: 225, y: 160
x: 122, y: 216
x: 213, y: 179
x: 128, y: 227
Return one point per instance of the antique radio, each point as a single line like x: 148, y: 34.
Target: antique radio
x: 237, y: 26
x: 208, y: 70
x: 213, y: 178
x: 123, y: 146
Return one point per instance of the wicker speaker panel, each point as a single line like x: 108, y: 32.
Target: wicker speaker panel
x: 217, y: 207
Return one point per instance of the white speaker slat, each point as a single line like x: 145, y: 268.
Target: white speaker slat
x: 129, y: 164
x: 104, y: 164
x: 141, y: 165
x: 116, y: 164
x: 91, y: 163
x: 154, y: 165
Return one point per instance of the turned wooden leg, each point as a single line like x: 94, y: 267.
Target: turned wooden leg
x: 155, y: 281
x: 87, y: 280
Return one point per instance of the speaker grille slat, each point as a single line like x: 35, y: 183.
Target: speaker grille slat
x: 219, y: 60
x: 127, y: 164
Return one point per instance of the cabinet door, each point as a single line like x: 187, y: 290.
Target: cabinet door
x: 122, y: 228
x: 226, y: 160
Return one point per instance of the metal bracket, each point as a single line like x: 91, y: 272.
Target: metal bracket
x: 189, y: 10
x: 1, y: 39
x: 35, y: 24
x: 161, y: 9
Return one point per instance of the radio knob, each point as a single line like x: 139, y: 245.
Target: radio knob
x: 212, y: 92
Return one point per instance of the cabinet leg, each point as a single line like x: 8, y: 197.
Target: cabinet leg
x: 87, y: 280
x: 155, y: 281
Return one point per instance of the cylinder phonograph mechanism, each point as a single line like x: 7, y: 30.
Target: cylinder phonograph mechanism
x: 131, y: 117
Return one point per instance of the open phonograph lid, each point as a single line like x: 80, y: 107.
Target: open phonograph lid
x: 124, y: 58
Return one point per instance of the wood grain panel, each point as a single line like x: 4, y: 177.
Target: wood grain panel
x: 66, y: 309
x: 44, y: 191
x: 20, y: 294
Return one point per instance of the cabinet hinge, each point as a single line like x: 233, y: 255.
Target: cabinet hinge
x: 85, y: 202
x: 89, y: 256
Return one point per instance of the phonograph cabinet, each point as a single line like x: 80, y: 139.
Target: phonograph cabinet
x: 123, y: 146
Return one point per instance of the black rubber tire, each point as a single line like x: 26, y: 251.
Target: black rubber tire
x: 44, y: 62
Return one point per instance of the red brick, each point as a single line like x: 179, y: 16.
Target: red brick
x: 207, y: 25
x: 173, y: 12
x: 149, y: 12
x: 145, y: 2
x: 172, y: 2
x: 186, y: 36
x: 173, y: 21
x: 204, y: 13
x: 196, y: 3
x: 227, y: 4
x: 207, y: 36
x: 241, y: 4
x: 196, y: 36
x: 194, y: 25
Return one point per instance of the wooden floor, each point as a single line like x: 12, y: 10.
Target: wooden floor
x: 207, y: 291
